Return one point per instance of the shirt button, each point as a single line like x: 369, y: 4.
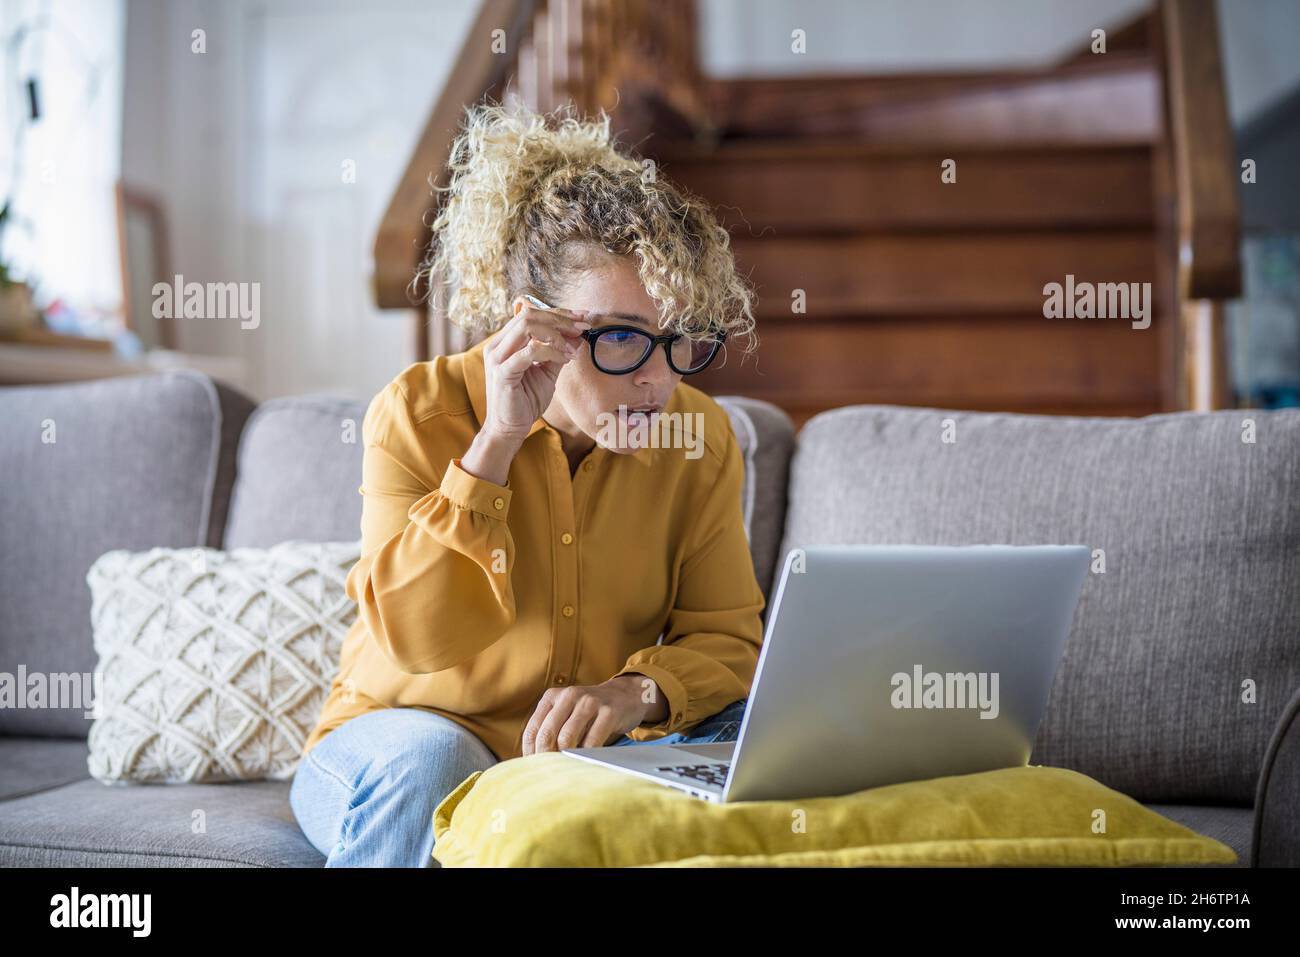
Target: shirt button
x: 566, y: 538
x: 567, y: 611
x: 560, y: 679
x: 498, y: 503
x: 588, y: 466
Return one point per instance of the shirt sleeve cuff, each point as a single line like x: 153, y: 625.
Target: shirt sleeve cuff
x: 671, y: 687
x: 469, y: 491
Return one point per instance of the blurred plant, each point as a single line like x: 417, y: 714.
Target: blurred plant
x: 12, y: 49
x: 5, y: 281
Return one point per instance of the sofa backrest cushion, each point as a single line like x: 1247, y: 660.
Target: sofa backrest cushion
x: 126, y: 463
x: 299, y: 473
x: 1198, y: 607
x: 766, y: 437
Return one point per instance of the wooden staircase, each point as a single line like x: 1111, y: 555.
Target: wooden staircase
x: 879, y: 282
x: 925, y: 293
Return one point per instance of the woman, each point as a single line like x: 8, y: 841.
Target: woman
x: 539, y: 569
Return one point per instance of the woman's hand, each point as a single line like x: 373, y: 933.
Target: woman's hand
x: 521, y: 367
x: 587, y: 716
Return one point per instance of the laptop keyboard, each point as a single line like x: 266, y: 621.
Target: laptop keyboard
x: 714, y: 774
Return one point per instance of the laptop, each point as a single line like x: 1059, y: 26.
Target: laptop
x: 883, y: 664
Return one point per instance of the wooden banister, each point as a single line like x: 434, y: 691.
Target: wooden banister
x: 1204, y: 154
x: 1206, y: 216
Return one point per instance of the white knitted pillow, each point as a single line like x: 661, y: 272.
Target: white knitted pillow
x: 214, y: 665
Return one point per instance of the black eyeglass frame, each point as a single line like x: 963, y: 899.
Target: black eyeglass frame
x: 591, y: 335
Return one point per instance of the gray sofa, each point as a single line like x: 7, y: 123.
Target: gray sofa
x: 1199, y: 598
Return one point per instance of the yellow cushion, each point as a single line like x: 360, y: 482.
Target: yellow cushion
x: 553, y: 810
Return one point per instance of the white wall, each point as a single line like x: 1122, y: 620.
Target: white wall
x: 753, y: 37
x: 246, y: 144
x: 1261, y: 52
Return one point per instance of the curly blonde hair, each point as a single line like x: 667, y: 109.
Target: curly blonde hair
x: 535, y: 199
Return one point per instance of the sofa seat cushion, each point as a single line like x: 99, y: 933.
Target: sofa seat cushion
x: 522, y: 812
x: 89, y: 824
x: 33, y: 765
x: 1233, y: 826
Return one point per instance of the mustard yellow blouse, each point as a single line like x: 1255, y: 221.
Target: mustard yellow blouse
x: 474, y: 598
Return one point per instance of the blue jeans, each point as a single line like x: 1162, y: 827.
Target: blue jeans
x: 364, y: 795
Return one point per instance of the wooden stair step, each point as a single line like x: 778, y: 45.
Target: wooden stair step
x: 844, y: 187
x: 1051, y: 365
x: 926, y: 275
x: 1111, y: 96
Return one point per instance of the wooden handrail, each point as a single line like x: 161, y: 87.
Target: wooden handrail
x: 1197, y: 170
x: 1204, y: 155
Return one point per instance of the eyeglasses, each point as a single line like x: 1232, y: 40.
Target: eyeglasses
x: 620, y: 350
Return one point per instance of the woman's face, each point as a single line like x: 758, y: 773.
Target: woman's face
x: 588, y: 398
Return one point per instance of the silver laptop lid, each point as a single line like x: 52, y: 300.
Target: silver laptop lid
x: 884, y: 664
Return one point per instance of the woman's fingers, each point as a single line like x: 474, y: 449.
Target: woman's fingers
x: 529, y: 740
x: 512, y: 337
x: 532, y: 339
x: 555, y: 325
x: 578, y: 727
x: 547, y: 733
x: 520, y: 362
x: 603, y: 728
x: 556, y: 330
